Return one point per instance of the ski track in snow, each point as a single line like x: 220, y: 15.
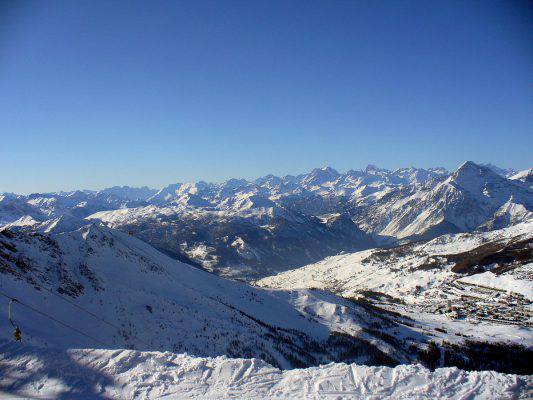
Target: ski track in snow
x: 127, y: 374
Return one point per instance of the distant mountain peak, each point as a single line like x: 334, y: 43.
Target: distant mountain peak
x: 318, y: 176
x: 474, y: 177
x: 468, y: 165
x: 329, y: 170
x: 505, y: 172
x: 372, y: 168
x: 234, y: 183
x: 325, y: 170
x: 165, y: 193
x: 525, y: 176
x: 438, y: 170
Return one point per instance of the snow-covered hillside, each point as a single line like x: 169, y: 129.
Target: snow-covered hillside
x: 99, y: 287
x: 246, y: 243
x: 126, y: 374
x: 411, y: 271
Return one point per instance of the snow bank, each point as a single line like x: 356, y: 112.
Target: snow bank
x: 89, y: 373
x: 503, y: 282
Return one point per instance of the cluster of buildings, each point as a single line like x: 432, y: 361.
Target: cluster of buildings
x: 474, y: 303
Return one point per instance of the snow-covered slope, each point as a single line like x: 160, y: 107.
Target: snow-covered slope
x: 404, y: 272
x: 126, y: 374
x: 525, y: 176
x: 13, y: 208
x: 133, y: 296
x: 99, y: 287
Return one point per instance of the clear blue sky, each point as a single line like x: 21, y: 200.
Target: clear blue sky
x: 100, y: 93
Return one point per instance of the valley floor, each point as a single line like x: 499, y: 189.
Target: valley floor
x: 27, y: 371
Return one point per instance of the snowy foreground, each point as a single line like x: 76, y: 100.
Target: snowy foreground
x: 88, y: 373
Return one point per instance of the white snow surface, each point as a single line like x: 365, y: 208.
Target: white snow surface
x: 128, y: 374
x: 504, y: 282
x: 524, y: 176
x: 126, y: 281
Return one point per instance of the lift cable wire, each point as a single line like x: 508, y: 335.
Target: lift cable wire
x: 55, y: 319
x: 81, y: 308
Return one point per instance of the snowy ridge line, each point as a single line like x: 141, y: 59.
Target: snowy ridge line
x: 54, y: 319
x: 125, y: 374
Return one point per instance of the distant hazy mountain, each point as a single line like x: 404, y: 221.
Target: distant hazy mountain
x: 129, y: 193
x: 525, y: 176
x: 505, y: 172
x: 468, y: 199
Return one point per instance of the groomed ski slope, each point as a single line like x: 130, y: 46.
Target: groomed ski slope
x: 125, y: 374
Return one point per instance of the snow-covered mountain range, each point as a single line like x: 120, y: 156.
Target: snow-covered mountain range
x: 372, y: 267
x: 251, y: 229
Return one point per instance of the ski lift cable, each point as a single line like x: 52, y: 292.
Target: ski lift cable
x: 82, y: 309
x: 12, y: 299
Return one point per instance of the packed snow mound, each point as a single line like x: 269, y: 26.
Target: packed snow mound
x: 90, y: 373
